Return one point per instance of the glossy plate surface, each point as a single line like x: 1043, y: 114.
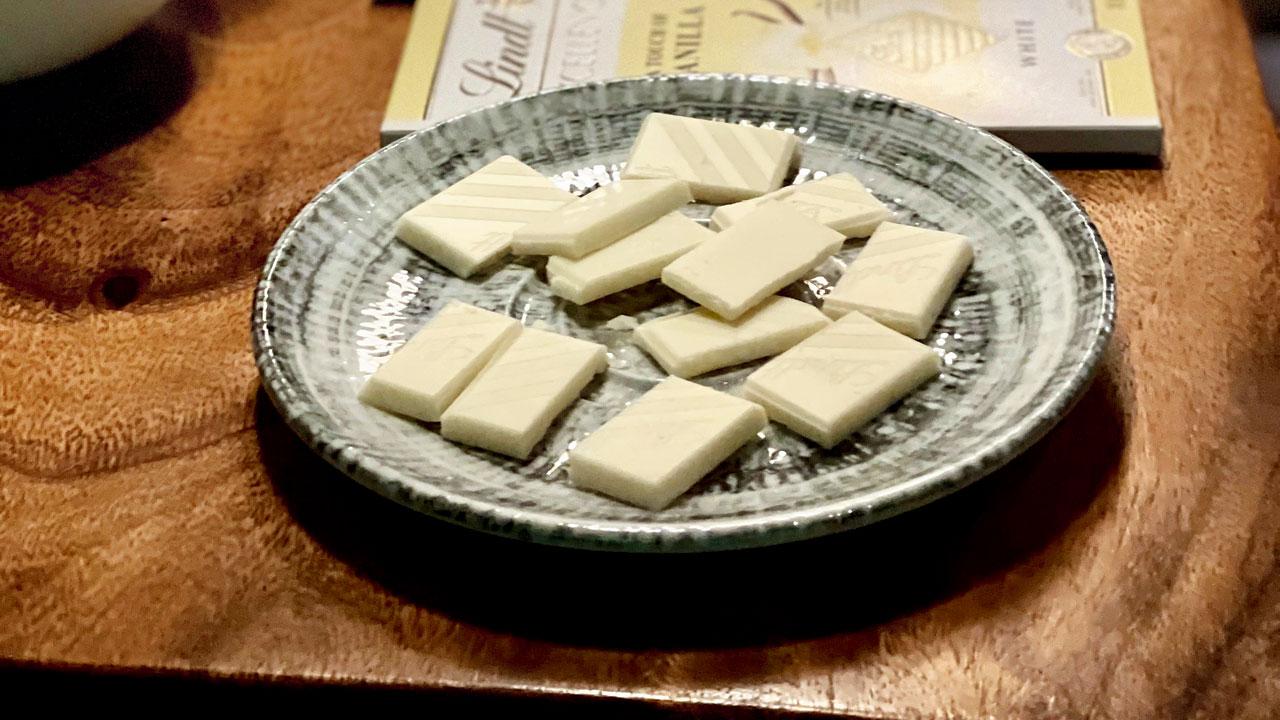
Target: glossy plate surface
x: 1020, y: 339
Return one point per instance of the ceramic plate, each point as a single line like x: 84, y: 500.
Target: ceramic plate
x: 1020, y: 339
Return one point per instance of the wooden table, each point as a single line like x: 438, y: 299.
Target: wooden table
x: 156, y: 515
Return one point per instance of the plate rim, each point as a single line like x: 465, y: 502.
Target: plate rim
x: 687, y: 535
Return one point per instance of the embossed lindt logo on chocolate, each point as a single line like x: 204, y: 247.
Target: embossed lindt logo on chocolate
x: 482, y: 77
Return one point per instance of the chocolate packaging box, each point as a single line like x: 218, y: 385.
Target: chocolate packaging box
x: 1051, y: 76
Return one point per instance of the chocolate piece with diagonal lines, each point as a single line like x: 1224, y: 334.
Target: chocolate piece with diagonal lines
x: 838, y: 201
x: 469, y: 224
x: 841, y: 377
x: 600, y: 218
x: 429, y: 371
x: 510, y: 405
x: 664, y: 442
x: 722, y: 162
x: 902, y: 278
x: 737, y: 269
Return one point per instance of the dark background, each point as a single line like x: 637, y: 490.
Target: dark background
x: 1265, y: 18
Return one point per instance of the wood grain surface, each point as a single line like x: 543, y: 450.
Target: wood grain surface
x: 156, y: 515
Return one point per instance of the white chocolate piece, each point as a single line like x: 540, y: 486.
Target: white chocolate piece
x: 428, y: 372
x: 699, y: 341
x: 838, y: 201
x: 633, y: 260
x: 663, y: 443
x: 622, y: 323
x: 722, y: 162
x: 840, y: 378
x: 600, y: 217
x: 510, y: 405
x: 469, y: 224
x: 902, y: 278
x: 772, y: 247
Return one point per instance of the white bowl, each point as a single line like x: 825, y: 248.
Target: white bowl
x: 40, y: 35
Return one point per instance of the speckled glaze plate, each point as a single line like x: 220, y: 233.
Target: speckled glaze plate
x: 1020, y: 339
